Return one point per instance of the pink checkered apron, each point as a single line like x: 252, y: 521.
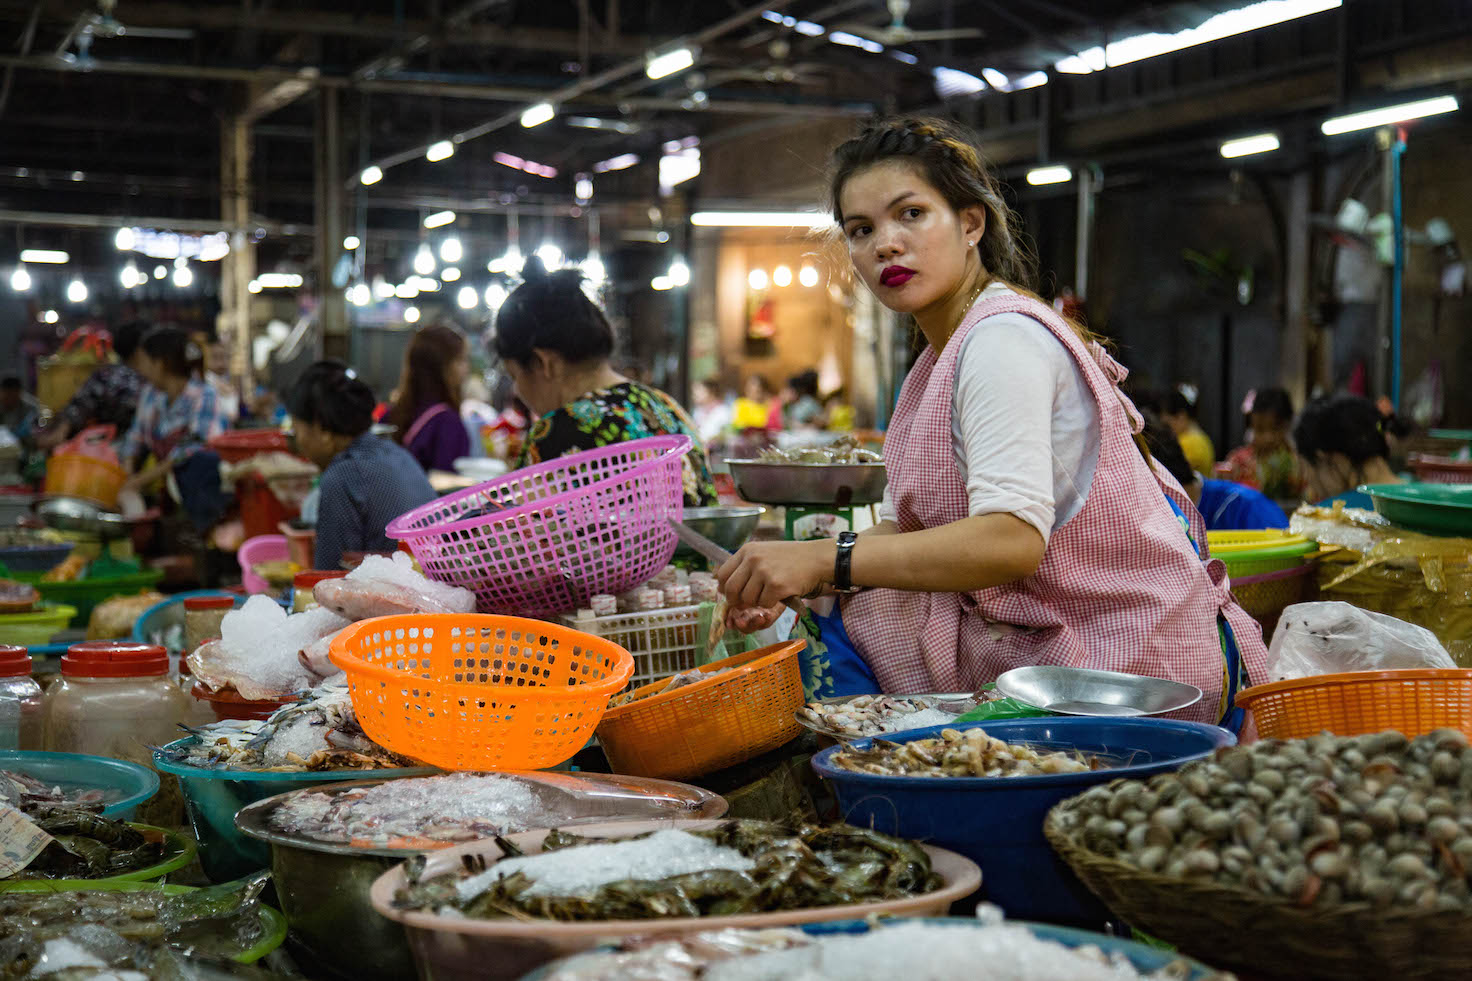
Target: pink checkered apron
x: 1119, y: 588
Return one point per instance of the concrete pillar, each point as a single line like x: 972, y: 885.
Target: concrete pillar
x: 332, y: 313
x: 238, y: 268
x: 1293, y: 367
x: 1088, y: 184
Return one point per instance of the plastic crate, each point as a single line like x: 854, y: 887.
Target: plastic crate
x: 663, y: 642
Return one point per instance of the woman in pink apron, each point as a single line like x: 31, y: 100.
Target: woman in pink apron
x: 1022, y: 524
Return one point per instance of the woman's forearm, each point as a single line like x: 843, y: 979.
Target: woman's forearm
x: 966, y: 555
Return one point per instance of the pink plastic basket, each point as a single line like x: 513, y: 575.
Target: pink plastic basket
x: 262, y: 548
x: 543, y: 539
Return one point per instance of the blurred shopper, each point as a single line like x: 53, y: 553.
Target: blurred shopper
x: 426, y: 406
x: 1343, y: 445
x: 1267, y: 461
x: 178, y: 414
x: 555, y: 344
x: 108, y: 397
x: 801, y: 407
x: 1224, y: 506
x: 838, y: 414
x: 757, y: 408
x: 710, y: 411
x: 217, y: 373
x: 1179, y: 413
x: 367, y: 481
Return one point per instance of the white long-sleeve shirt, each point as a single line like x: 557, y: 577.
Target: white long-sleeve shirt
x: 1024, y: 426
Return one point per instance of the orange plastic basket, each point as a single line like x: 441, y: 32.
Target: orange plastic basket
x: 473, y: 691
x: 84, y: 476
x: 744, y: 709
x: 1413, y: 701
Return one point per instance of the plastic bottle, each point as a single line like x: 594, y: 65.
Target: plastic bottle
x: 116, y: 699
x: 21, y: 705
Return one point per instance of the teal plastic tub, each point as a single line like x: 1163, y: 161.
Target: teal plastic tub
x: 213, y: 796
x: 1433, y: 509
x: 124, y: 785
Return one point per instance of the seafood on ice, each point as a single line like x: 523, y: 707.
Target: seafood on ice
x: 737, y: 867
x: 86, y: 845
x: 383, y: 586
x: 873, y: 715
x: 320, y: 732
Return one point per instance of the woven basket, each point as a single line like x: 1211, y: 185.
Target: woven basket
x: 1266, y: 596
x: 1266, y: 937
x: 745, y: 707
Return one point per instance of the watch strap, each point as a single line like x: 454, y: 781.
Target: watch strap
x: 843, y: 560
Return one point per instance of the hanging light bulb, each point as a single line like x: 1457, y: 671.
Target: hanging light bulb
x: 550, y: 255
x: 593, y: 269
x: 757, y: 279
x: 183, y: 277
x: 679, y: 273
x: 424, y: 261
x: 382, y: 288
x: 131, y: 276
x: 451, y: 250
x: 808, y: 276
x: 20, y: 280
x: 160, y: 271
x: 411, y: 315
x: 450, y: 274
x: 781, y: 276
x: 495, y: 296
x: 124, y: 239
x: 254, y: 286
x: 51, y: 316
x: 467, y: 298
x: 76, y: 291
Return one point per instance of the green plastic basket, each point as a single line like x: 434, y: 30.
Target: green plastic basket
x: 1255, y: 553
x: 37, y: 627
x: 273, y: 924
x: 179, y: 851
x: 85, y: 594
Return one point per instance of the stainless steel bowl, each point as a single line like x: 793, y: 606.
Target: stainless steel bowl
x: 323, y: 887
x: 821, y: 484
x: 1084, y: 691
x: 728, y: 527
x: 79, y: 514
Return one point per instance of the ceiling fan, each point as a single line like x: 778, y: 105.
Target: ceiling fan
x: 896, y: 32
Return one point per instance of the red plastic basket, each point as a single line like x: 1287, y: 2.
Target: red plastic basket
x: 469, y: 691
x: 1440, y: 469
x: 543, y: 539
x: 235, y: 445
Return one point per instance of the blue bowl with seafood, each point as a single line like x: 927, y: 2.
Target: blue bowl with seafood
x: 998, y: 821
x: 1144, y: 959
x: 212, y: 796
x: 163, y: 622
x: 118, y: 785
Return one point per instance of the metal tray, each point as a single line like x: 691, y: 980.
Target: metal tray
x: 964, y: 701
x: 821, y: 484
x: 323, y: 886
x: 1084, y: 691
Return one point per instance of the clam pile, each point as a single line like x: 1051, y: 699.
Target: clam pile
x: 1322, y: 821
x: 954, y: 753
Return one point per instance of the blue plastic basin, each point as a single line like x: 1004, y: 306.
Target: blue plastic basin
x: 124, y: 785
x: 998, y: 821
x: 213, y: 796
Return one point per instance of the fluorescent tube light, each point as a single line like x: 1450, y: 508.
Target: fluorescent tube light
x: 1375, y: 117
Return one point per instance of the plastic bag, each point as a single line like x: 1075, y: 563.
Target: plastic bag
x: 381, y: 587
x: 1329, y: 638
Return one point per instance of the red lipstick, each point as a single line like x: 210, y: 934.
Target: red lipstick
x: 895, y: 275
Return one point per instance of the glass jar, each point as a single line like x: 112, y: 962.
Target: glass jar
x: 302, y: 583
x: 116, y: 699
x: 202, y: 618
x: 21, y: 706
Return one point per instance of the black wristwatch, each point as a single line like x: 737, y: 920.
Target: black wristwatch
x: 843, y: 560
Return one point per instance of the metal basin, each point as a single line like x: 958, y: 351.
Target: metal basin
x: 323, y: 887
x: 728, y: 527
x: 823, y: 484
x: 1084, y: 691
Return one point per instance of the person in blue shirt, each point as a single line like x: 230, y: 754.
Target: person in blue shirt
x: 366, y: 481
x: 1343, y: 446
x: 1224, y: 505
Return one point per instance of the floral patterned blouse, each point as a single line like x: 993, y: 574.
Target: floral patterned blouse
x: 617, y: 414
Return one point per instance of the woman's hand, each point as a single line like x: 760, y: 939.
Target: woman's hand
x: 763, y: 574
x: 750, y: 619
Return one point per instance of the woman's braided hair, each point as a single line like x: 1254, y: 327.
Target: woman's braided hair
x: 948, y: 159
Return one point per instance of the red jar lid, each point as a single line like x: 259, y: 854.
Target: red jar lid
x: 310, y: 578
x: 114, y: 659
x: 210, y: 603
x: 15, y: 662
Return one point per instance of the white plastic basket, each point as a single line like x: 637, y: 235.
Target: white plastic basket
x: 662, y: 641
